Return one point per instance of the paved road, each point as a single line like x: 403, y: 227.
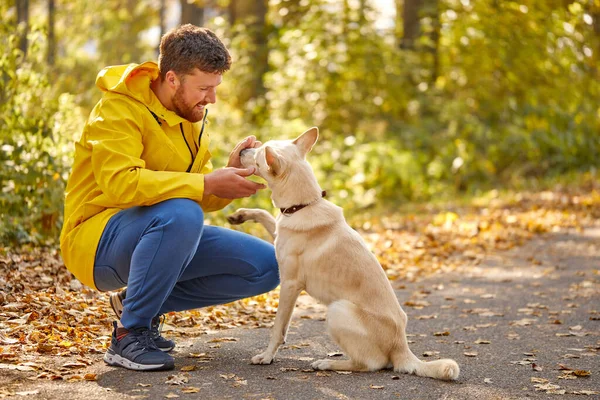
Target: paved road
x: 519, y: 315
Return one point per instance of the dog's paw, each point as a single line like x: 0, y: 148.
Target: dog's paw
x: 321, y: 365
x: 238, y: 217
x: 262, y: 358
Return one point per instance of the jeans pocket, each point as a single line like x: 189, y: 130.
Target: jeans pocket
x: 106, y: 278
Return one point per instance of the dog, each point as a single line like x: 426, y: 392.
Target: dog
x: 320, y: 253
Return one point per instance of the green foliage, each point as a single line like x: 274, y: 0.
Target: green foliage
x: 33, y: 155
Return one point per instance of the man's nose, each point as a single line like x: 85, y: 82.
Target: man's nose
x: 211, y: 96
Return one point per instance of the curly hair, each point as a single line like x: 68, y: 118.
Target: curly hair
x: 187, y: 47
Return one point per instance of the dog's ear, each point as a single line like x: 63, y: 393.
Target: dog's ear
x: 273, y: 161
x: 306, y: 141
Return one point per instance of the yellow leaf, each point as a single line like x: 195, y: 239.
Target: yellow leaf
x: 190, y: 389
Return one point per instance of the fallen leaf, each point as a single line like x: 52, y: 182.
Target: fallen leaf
x: 188, y: 368
x: 433, y: 316
x: 538, y: 380
x: 581, y: 372
x: 470, y: 354
x: 523, y: 322
x: 176, y: 380
x: 546, y: 386
x: 190, y: 389
x: 74, y: 365
x: 28, y: 393
x: 376, y: 387
x: 223, y: 339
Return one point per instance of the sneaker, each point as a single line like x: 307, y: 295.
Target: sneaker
x: 134, y: 349
x: 161, y: 342
x: 164, y: 344
x: 116, y: 302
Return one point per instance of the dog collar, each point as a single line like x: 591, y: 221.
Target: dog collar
x: 293, y: 209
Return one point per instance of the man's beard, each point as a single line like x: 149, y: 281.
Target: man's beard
x: 191, y: 113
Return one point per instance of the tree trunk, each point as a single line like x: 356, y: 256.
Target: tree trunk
x: 412, y: 14
x: 191, y: 13
x: 51, y: 37
x: 253, y: 15
x: 23, y: 19
x: 410, y: 22
x: 432, y: 11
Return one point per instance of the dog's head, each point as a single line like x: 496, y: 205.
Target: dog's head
x: 277, y: 158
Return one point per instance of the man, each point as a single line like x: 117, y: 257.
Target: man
x: 141, y: 182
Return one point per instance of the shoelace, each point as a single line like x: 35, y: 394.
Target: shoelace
x: 144, y: 338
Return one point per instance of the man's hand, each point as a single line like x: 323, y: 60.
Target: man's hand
x: 231, y: 183
x: 248, y: 143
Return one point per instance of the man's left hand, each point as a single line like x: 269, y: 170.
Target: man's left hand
x: 248, y: 143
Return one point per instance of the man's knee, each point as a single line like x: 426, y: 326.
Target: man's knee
x: 269, y: 278
x: 184, y: 214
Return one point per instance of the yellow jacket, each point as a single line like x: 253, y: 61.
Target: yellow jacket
x: 133, y: 152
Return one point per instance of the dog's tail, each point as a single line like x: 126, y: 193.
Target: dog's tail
x: 405, y: 361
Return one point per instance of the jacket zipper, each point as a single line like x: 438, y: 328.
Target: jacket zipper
x: 199, y: 139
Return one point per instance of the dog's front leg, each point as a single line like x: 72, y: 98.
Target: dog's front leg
x: 254, y: 214
x: 287, y: 300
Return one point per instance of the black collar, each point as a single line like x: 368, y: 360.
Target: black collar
x: 293, y: 209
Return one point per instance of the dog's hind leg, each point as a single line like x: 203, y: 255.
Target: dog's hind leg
x: 406, y: 362
x: 348, y: 327
x: 254, y: 214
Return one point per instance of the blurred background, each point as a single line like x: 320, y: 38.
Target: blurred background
x: 416, y: 100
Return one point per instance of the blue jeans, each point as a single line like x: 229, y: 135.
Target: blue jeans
x: 170, y: 261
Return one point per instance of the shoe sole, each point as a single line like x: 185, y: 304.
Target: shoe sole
x: 165, y: 349
x: 118, y: 361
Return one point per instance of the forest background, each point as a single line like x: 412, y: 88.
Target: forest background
x: 416, y: 100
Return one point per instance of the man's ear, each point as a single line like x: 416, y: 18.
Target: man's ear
x: 306, y: 141
x: 172, y: 79
x: 273, y: 161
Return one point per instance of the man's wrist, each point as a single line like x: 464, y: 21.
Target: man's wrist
x: 207, y: 186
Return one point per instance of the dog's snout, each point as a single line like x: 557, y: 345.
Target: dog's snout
x: 247, y: 157
x: 245, y: 151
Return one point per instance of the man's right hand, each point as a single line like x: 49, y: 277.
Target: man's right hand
x: 231, y: 183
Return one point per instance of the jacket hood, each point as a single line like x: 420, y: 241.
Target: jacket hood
x: 133, y: 80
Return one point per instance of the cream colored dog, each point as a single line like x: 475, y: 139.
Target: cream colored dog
x: 318, y: 252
